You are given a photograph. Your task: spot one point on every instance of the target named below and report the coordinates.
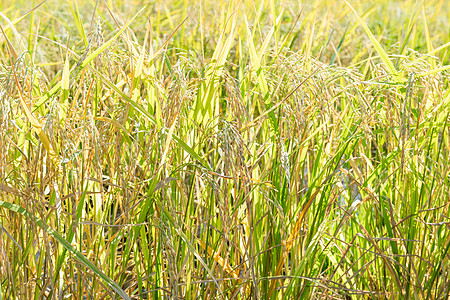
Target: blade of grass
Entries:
(144, 112)
(89, 59)
(383, 55)
(77, 255)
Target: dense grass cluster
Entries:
(224, 149)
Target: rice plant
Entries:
(224, 149)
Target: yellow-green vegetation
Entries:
(224, 149)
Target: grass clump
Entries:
(235, 149)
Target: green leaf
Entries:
(383, 55)
(77, 254)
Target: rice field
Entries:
(224, 149)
